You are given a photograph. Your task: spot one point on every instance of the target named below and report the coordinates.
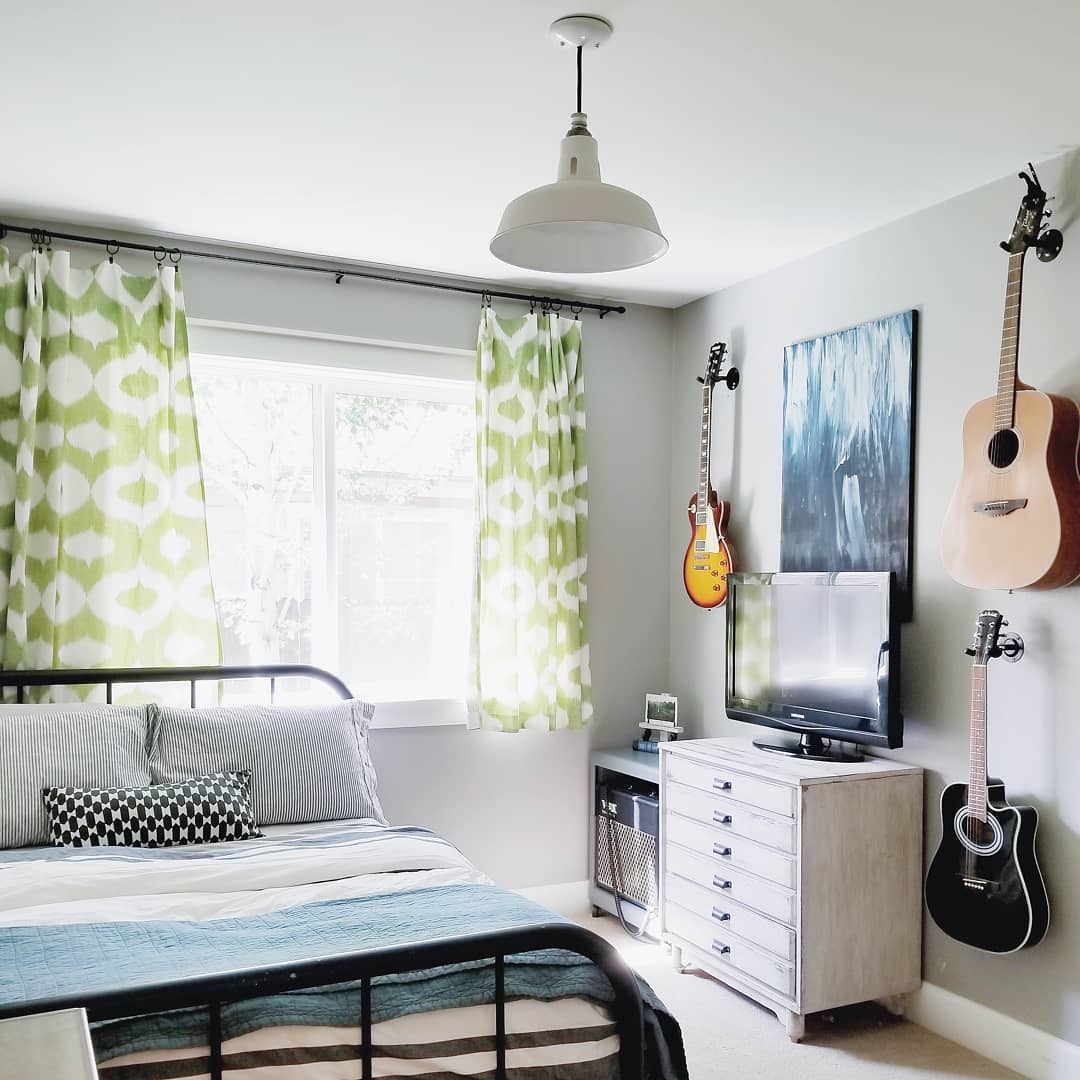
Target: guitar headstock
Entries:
(715, 365)
(1029, 229)
(984, 644)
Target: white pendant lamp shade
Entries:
(579, 224)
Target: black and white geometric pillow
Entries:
(206, 810)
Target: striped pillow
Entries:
(80, 746)
(307, 763)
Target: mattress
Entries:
(72, 916)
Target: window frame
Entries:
(329, 364)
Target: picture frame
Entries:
(848, 467)
(662, 710)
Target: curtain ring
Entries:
(160, 258)
(37, 239)
(576, 310)
(3, 232)
(485, 299)
(556, 307)
(175, 255)
(532, 306)
(112, 248)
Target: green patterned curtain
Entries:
(103, 550)
(530, 652)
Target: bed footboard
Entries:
(216, 990)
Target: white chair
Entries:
(48, 1046)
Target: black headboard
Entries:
(108, 677)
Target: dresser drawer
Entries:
(746, 889)
(730, 850)
(731, 816)
(726, 949)
(731, 917)
(778, 798)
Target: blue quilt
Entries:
(39, 962)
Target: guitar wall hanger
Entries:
(1008, 646)
(717, 359)
(1046, 242)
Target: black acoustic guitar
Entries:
(984, 887)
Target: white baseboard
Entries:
(566, 898)
(1027, 1050)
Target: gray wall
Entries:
(944, 262)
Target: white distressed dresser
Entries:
(797, 883)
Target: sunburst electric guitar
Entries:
(1014, 520)
(709, 556)
(984, 886)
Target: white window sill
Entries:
(437, 712)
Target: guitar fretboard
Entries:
(706, 441)
(1005, 401)
(976, 799)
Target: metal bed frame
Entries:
(215, 989)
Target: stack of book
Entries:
(655, 734)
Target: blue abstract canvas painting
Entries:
(848, 450)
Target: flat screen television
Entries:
(816, 655)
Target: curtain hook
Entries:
(576, 310)
(47, 239)
(3, 232)
(112, 248)
(160, 258)
(485, 299)
(532, 305)
(175, 255)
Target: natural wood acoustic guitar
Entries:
(1014, 519)
(709, 556)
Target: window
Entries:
(340, 517)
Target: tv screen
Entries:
(815, 653)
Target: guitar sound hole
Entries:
(980, 833)
(1004, 447)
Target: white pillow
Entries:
(45, 746)
(307, 763)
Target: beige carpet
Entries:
(730, 1037)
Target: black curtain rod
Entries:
(44, 237)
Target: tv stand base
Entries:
(809, 748)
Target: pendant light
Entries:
(579, 224)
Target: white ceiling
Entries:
(394, 132)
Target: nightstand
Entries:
(47, 1046)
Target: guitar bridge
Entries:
(999, 507)
(975, 884)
